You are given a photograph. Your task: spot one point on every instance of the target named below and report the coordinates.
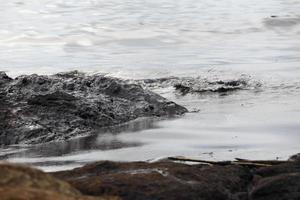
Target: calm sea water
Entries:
(220, 39)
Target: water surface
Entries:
(135, 39)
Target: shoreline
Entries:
(42, 109)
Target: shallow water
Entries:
(216, 40)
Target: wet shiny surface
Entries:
(149, 39)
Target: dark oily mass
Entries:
(37, 109)
(186, 85)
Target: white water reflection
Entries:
(147, 38)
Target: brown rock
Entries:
(8, 193)
(278, 182)
(161, 180)
(280, 187)
(24, 183)
(289, 167)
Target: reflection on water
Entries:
(103, 139)
(246, 124)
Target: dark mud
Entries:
(187, 85)
(38, 109)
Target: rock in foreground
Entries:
(24, 183)
(163, 180)
(37, 109)
(176, 181)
